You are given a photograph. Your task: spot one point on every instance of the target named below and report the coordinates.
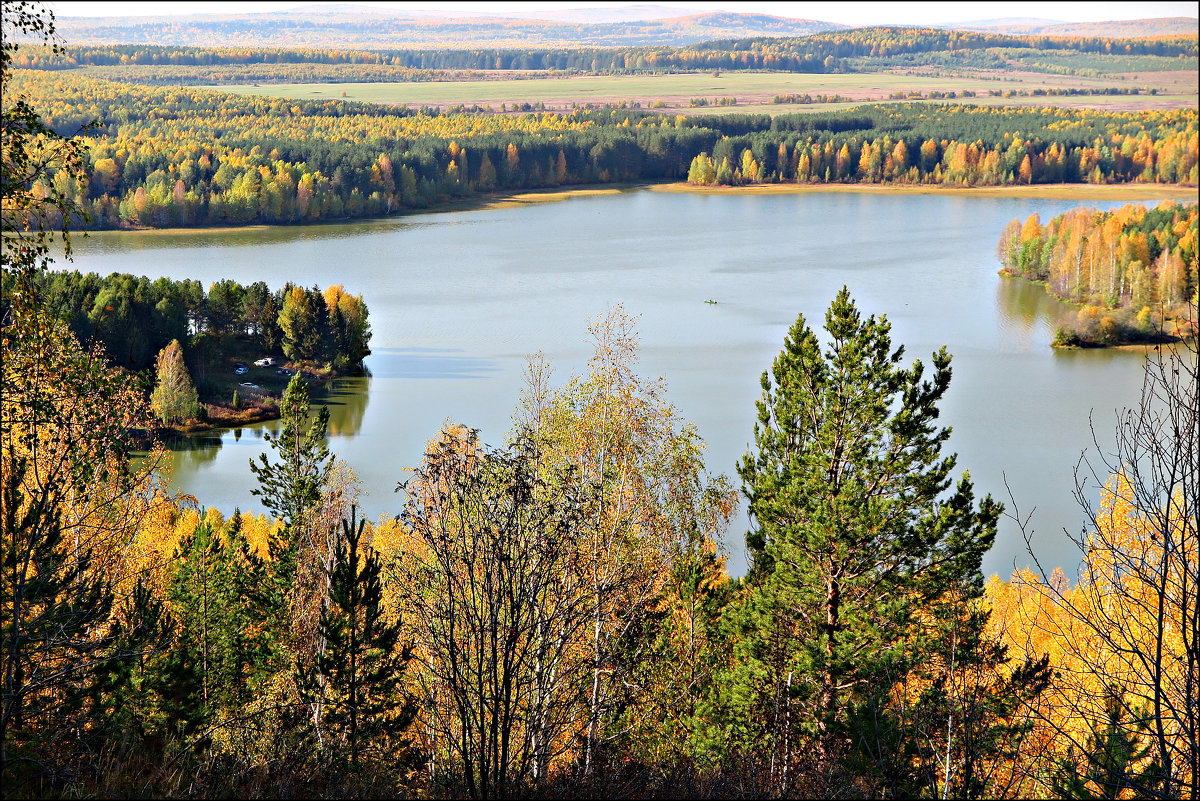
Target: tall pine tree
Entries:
(291, 487)
(856, 534)
(355, 682)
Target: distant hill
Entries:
(585, 15)
(594, 15)
(1002, 22)
(361, 27)
(1119, 29)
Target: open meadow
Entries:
(754, 90)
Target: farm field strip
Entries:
(755, 89)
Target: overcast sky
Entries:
(873, 13)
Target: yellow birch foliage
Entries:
(1122, 628)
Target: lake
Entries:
(459, 299)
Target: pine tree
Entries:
(53, 607)
(1117, 760)
(123, 704)
(852, 532)
(194, 601)
(355, 682)
(245, 652)
(174, 397)
(291, 487)
(223, 647)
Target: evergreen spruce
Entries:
(355, 682)
(53, 608)
(123, 705)
(291, 487)
(1118, 759)
(246, 652)
(856, 532)
(187, 678)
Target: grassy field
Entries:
(753, 90)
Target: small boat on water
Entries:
(713, 302)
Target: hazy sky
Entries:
(872, 13)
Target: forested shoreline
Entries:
(1133, 270)
(185, 157)
(134, 317)
(204, 337)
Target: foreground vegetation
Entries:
(553, 616)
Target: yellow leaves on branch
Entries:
(1119, 629)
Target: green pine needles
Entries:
(355, 684)
(859, 536)
(291, 487)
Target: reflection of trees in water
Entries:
(195, 450)
(347, 402)
(1025, 304)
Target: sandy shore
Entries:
(1064, 191)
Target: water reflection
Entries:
(429, 363)
(1027, 308)
(194, 450)
(257, 236)
(346, 400)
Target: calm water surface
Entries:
(458, 300)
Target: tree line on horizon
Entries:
(180, 157)
(830, 51)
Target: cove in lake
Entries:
(459, 299)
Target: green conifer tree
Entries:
(854, 532)
(123, 704)
(1118, 761)
(245, 651)
(355, 682)
(53, 607)
(291, 487)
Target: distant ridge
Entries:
(1002, 22)
(348, 26)
(1121, 29)
(335, 26)
(640, 13)
(634, 13)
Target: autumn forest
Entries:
(553, 614)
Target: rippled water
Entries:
(458, 299)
